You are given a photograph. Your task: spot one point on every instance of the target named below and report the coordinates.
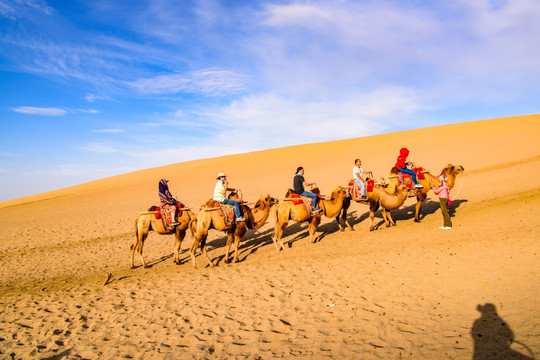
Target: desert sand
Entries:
(411, 291)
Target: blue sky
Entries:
(91, 89)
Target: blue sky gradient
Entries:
(92, 89)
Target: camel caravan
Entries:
(233, 216)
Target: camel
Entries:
(451, 171)
(286, 211)
(148, 222)
(208, 219)
(379, 197)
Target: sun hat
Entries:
(220, 175)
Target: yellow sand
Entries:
(409, 291)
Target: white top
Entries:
(220, 191)
(357, 170)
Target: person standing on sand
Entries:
(220, 191)
(298, 186)
(358, 176)
(168, 202)
(443, 191)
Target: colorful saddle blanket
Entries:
(166, 216)
(406, 179)
(298, 199)
(355, 191)
(227, 211)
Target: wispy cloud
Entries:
(31, 110)
(100, 148)
(13, 9)
(209, 82)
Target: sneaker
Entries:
(317, 210)
(240, 219)
(418, 186)
(175, 223)
(447, 228)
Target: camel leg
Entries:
(420, 200)
(228, 246)
(389, 217)
(314, 223)
(193, 249)
(203, 251)
(385, 215)
(238, 235)
(344, 208)
(141, 233)
(179, 237)
(278, 233)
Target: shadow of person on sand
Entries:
(493, 337)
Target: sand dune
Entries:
(411, 291)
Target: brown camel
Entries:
(451, 171)
(286, 211)
(148, 222)
(209, 218)
(379, 197)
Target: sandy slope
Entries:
(410, 291)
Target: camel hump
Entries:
(289, 193)
(316, 190)
(153, 208)
(209, 203)
(394, 170)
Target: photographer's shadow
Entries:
(493, 337)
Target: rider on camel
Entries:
(168, 202)
(220, 191)
(402, 163)
(298, 185)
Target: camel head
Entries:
(403, 191)
(341, 192)
(452, 170)
(266, 201)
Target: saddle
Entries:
(406, 179)
(298, 199)
(166, 216)
(226, 211)
(355, 191)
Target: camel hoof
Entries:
(146, 266)
(133, 267)
(417, 220)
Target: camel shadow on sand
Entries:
(493, 337)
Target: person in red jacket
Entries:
(402, 163)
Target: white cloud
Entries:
(30, 110)
(209, 81)
(89, 111)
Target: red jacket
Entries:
(402, 158)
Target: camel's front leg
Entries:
(179, 237)
(372, 220)
(236, 246)
(228, 247)
(389, 216)
(314, 223)
(420, 200)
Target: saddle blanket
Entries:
(226, 211)
(165, 214)
(355, 191)
(406, 179)
(298, 199)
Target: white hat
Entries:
(220, 175)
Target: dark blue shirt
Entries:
(298, 184)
